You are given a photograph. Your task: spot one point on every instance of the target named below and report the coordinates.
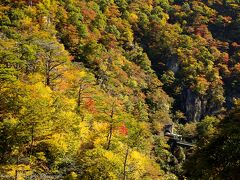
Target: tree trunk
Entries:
(79, 98)
(125, 164)
(32, 139)
(111, 126)
(110, 136)
(16, 171)
(47, 71)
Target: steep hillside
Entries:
(88, 85)
(78, 96)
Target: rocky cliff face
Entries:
(173, 64)
(196, 107)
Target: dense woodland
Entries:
(86, 87)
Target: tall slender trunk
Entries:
(125, 164)
(47, 72)
(48, 80)
(16, 175)
(48, 69)
(111, 127)
(110, 136)
(16, 171)
(32, 139)
(79, 98)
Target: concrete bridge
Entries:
(176, 138)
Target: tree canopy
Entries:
(88, 85)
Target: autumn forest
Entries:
(88, 87)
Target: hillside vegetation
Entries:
(88, 85)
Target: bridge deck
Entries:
(183, 143)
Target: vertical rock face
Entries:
(197, 107)
(173, 64)
(193, 106)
